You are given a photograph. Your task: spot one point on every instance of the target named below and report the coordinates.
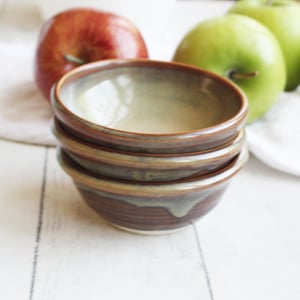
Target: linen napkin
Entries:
(275, 139)
(24, 114)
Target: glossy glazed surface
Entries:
(151, 206)
(149, 106)
(146, 100)
(144, 167)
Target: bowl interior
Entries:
(151, 98)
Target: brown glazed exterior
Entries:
(151, 207)
(201, 139)
(143, 166)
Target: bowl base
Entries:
(151, 232)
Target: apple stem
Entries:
(74, 59)
(235, 75)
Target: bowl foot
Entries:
(151, 232)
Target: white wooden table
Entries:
(52, 246)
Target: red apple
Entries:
(77, 36)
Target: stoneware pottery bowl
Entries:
(144, 166)
(149, 106)
(151, 208)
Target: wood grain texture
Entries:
(21, 176)
(80, 254)
(251, 243)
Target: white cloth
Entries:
(25, 116)
(275, 139)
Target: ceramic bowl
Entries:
(151, 207)
(149, 106)
(143, 166)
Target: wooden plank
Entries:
(82, 257)
(251, 242)
(21, 176)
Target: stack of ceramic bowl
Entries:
(150, 145)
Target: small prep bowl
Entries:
(144, 166)
(151, 207)
(149, 106)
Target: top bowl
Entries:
(149, 106)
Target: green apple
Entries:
(282, 17)
(241, 49)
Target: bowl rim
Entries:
(100, 153)
(87, 179)
(60, 108)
